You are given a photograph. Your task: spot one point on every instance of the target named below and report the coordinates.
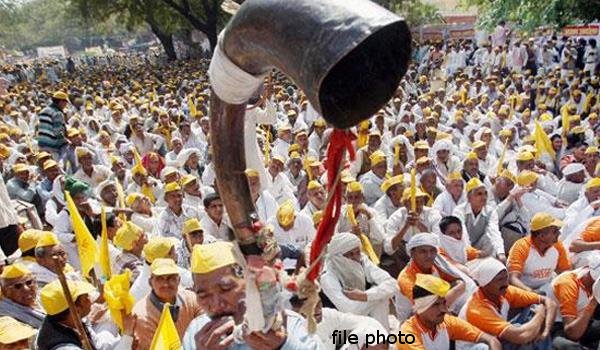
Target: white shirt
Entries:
(492, 230)
(384, 207)
(266, 206)
(333, 319)
(445, 204)
(220, 232)
(281, 188)
(429, 217)
(299, 235)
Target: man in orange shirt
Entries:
(424, 259)
(488, 308)
(580, 324)
(535, 259)
(587, 242)
(432, 327)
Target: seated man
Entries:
(316, 198)
(374, 178)
(452, 245)
(533, 261)
(480, 221)
(433, 328)
(131, 239)
(265, 203)
(488, 308)
(331, 320)
(579, 321)
(164, 282)
(216, 222)
(15, 335)
(21, 187)
(45, 266)
(586, 242)
(352, 283)
(19, 296)
(582, 209)
(403, 225)
(453, 196)
(392, 198)
(193, 233)
(424, 259)
(220, 287)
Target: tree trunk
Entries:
(212, 36)
(166, 41)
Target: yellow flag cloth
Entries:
(564, 113)
(396, 155)
(165, 337)
(366, 246)
(121, 198)
(191, 106)
(413, 190)
(104, 254)
(542, 141)
(501, 160)
(118, 298)
(147, 191)
(86, 245)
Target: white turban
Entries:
(125, 147)
(102, 186)
(350, 273)
(441, 145)
(184, 155)
(573, 168)
(486, 270)
(422, 239)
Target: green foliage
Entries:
(415, 12)
(527, 15)
(48, 23)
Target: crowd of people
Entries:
(470, 215)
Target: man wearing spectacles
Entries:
(19, 290)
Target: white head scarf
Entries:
(422, 239)
(486, 270)
(350, 273)
(184, 155)
(455, 248)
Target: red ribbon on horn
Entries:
(340, 140)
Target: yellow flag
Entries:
(366, 246)
(118, 298)
(104, 253)
(121, 198)
(396, 155)
(192, 106)
(413, 190)
(542, 141)
(86, 245)
(564, 113)
(501, 160)
(165, 337)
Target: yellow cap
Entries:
(81, 151)
(574, 118)
(578, 130)
(187, 179)
(14, 271)
(127, 235)
(172, 187)
(320, 123)
(526, 178)
(251, 172)
(162, 267)
(591, 150)
(453, 176)
(432, 284)
(592, 183)
(72, 132)
(509, 175)
(13, 331)
(53, 298)
(209, 257)
(406, 194)
(20, 167)
(524, 156)
(478, 144)
(422, 160)
(29, 239)
(50, 163)
(313, 185)
(60, 95)
(505, 132)
(47, 239)
(471, 156)
(132, 197)
(394, 180)
(191, 225)
(542, 220)
(317, 217)
(354, 186)
(377, 157)
(421, 145)
(286, 213)
(158, 247)
(473, 184)
(593, 116)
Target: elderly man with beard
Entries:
(432, 327)
(220, 291)
(353, 283)
(392, 198)
(488, 308)
(183, 305)
(316, 198)
(19, 296)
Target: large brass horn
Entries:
(348, 57)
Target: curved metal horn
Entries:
(348, 57)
